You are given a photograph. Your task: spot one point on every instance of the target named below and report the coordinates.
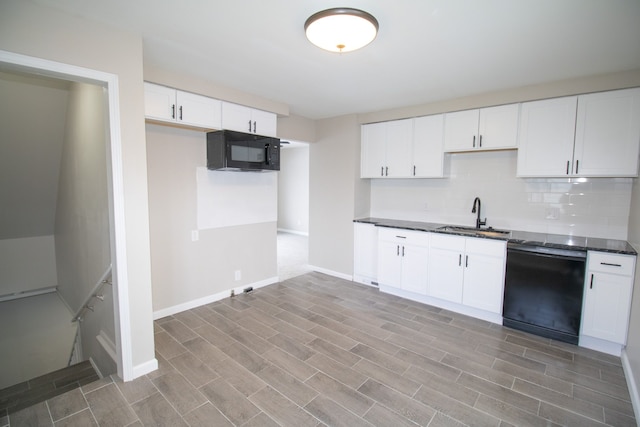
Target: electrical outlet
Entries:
(195, 235)
(238, 275)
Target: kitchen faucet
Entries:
(479, 222)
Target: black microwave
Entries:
(230, 150)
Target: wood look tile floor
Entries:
(315, 350)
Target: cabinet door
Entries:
(199, 110)
(389, 264)
(159, 102)
(445, 268)
(265, 123)
(373, 150)
(608, 133)
(606, 307)
(236, 117)
(365, 251)
(483, 282)
(398, 148)
(461, 130)
(545, 139)
(428, 154)
(415, 268)
(498, 127)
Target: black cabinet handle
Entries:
(480, 141)
(401, 237)
(249, 125)
(568, 167)
(459, 260)
(173, 111)
(386, 171)
(403, 251)
(397, 250)
(474, 141)
(181, 112)
(414, 170)
(610, 264)
(466, 261)
(591, 284)
(577, 164)
(254, 126)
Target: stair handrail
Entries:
(95, 293)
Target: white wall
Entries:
(293, 189)
(581, 207)
(184, 270)
(82, 216)
(82, 236)
(27, 264)
(33, 30)
(332, 183)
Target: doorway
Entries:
(293, 210)
(108, 84)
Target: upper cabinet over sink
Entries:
(491, 128)
(592, 135)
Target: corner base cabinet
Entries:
(607, 299)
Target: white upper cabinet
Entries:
(175, 106)
(491, 128)
(386, 149)
(249, 120)
(593, 135)
(545, 146)
(608, 134)
(408, 148)
(428, 156)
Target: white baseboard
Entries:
(299, 233)
(331, 272)
(169, 311)
(631, 383)
(144, 368)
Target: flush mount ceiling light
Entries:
(341, 29)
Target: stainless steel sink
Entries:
(485, 232)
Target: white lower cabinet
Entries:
(402, 259)
(365, 256)
(467, 271)
(607, 297)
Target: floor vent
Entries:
(36, 390)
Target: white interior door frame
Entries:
(28, 64)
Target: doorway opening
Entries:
(293, 210)
(114, 336)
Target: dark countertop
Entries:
(559, 241)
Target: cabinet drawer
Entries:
(487, 247)
(400, 235)
(611, 263)
(448, 242)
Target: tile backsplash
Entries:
(592, 207)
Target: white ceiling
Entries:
(426, 50)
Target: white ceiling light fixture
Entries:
(341, 29)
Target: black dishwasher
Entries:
(543, 291)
